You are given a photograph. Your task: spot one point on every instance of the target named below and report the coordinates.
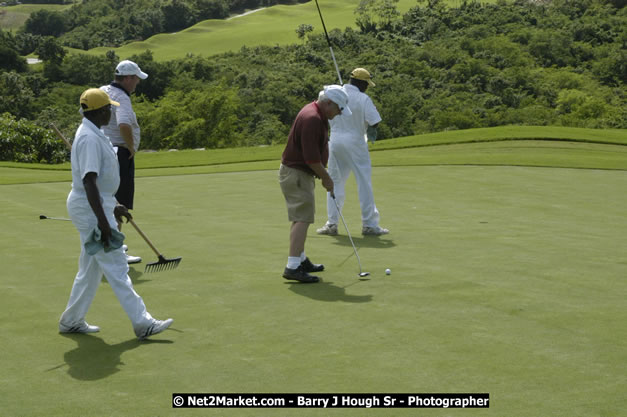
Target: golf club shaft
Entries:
(347, 232)
(326, 35)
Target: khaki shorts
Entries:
(298, 190)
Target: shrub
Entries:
(23, 141)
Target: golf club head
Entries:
(364, 274)
(41, 217)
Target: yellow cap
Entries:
(94, 99)
(362, 74)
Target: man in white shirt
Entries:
(123, 130)
(348, 151)
(95, 213)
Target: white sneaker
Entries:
(80, 328)
(328, 229)
(157, 326)
(374, 231)
(133, 259)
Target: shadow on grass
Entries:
(364, 242)
(94, 359)
(326, 291)
(134, 275)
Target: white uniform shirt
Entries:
(364, 114)
(92, 152)
(123, 114)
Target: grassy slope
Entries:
(507, 145)
(13, 17)
(272, 26)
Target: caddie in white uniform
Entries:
(94, 211)
(348, 151)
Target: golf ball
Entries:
(388, 271)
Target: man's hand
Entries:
(120, 212)
(126, 131)
(327, 183)
(105, 233)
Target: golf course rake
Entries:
(163, 263)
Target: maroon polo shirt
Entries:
(308, 142)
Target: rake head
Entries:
(162, 264)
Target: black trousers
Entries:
(126, 191)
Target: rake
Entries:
(163, 263)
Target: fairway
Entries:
(271, 26)
(505, 280)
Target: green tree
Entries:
(373, 15)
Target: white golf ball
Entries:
(388, 271)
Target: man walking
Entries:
(304, 158)
(95, 213)
(123, 131)
(348, 151)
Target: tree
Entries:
(303, 29)
(46, 23)
(10, 59)
(373, 15)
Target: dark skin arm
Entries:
(93, 197)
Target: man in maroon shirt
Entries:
(304, 158)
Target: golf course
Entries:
(500, 170)
(507, 265)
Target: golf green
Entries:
(505, 280)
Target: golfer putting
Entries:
(304, 159)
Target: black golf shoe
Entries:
(299, 274)
(308, 266)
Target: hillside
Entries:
(437, 68)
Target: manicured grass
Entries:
(506, 280)
(275, 25)
(507, 145)
(14, 17)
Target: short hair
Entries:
(361, 84)
(121, 77)
(322, 97)
(91, 114)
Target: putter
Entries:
(329, 43)
(361, 272)
(42, 217)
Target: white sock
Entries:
(293, 262)
(302, 256)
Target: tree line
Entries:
(436, 68)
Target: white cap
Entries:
(127, 67)
(336, 94)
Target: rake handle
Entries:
(58, 132)
(145, 238)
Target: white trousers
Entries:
(91, 269)
(348, 155)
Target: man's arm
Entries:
(93, 197)
(127, 134)
(321, 172)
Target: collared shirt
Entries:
(92, 152)
(364, 114)
(123, 114)
(308, 140)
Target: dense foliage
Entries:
(23, 141)
(93, 23)
(437, 68)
